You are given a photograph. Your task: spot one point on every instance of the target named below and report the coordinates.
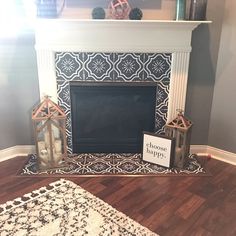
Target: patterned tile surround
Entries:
(114, 68)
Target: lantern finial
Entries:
(47, 97)
(180, 111)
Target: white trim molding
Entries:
(19, 150)
(216, 153)
(178, 83)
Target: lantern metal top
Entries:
(47, 109)
(180, 122)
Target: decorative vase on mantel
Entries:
(198, 10)
(180, 9)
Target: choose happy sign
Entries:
(157, 149)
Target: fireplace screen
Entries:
(110, 117)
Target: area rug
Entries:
(113, 165)
(64, 208)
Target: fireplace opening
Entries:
(110, 117)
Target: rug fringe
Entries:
(33, 195)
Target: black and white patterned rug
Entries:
(64, 208)
(112, 164)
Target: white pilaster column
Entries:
(178, 83)
(47, 73)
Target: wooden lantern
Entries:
(49, 122)
(180, 128)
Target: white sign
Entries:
(158, 149)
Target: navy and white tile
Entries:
(113, 67)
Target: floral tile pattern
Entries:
(113, 67)
(112, 164)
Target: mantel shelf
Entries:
(109, 35)
(123, 22)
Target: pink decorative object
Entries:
(119, 9)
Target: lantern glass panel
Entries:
(50, 144)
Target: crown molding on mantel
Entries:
(160, 35)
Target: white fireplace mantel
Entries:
(115, 35)
(145, 36)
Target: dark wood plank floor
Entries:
(167, 205)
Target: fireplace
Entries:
(67, 50)
(145, 76)
(110, 117)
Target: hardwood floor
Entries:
(166, 205)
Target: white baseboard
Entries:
(19, 150)
(203, 150)
(218, 154)
(199, 150)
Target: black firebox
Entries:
(110, 117)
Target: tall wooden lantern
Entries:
(49, 122)
(180, 128)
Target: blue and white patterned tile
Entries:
(128, 67)
(68, 65)
(98, 66)
(113, 67)
(69, 142)
(157, 66)
(161, 94)
(63, 92)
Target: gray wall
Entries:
(222, 132)
(203, 61)
(18, 90)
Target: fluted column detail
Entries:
(178, 83)
(47, 73)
